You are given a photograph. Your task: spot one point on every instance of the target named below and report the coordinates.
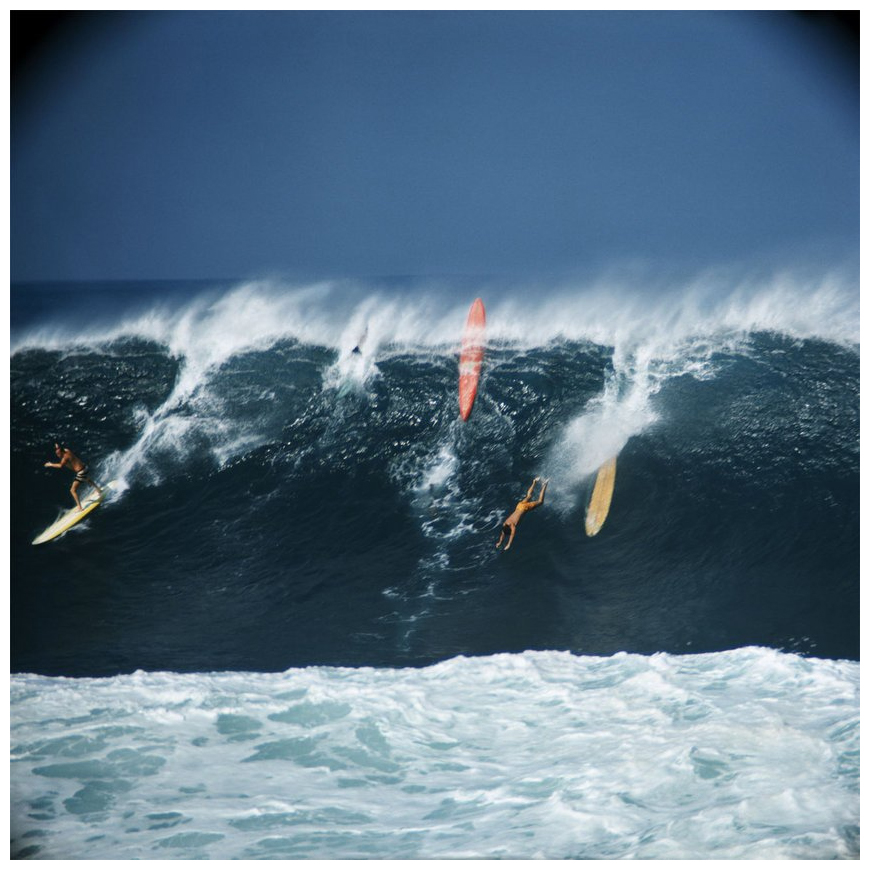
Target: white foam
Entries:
(359, 344)
(438, 472)
(611, 310)
(744, 754)
(596, 435)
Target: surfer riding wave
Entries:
(79, 468)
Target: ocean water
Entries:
(289, 633)
(744, 754)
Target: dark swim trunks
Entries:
(82, 475)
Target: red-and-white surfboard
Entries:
(471, 357)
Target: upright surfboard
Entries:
(599, 504)
(471, 357)
(74, 516)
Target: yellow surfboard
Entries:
(67, 520)
(599, 504)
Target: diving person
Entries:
(509, 526)
(78, 468)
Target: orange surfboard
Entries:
(471, 357)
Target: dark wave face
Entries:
(283, 501)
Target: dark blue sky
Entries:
(232, 145)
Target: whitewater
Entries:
(744, 754)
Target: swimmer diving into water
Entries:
(523, 507)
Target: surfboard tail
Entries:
(73, 516)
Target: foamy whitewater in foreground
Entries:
(751, 753)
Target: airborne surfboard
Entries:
(471, 357)
(73, 516)
(602, 493)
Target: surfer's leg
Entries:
(94, 485)
(531, 490)
(73, 491)
(533, 504)
(540, 499)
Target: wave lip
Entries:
(751, 753)
(615, 309)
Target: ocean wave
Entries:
(291, 480)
